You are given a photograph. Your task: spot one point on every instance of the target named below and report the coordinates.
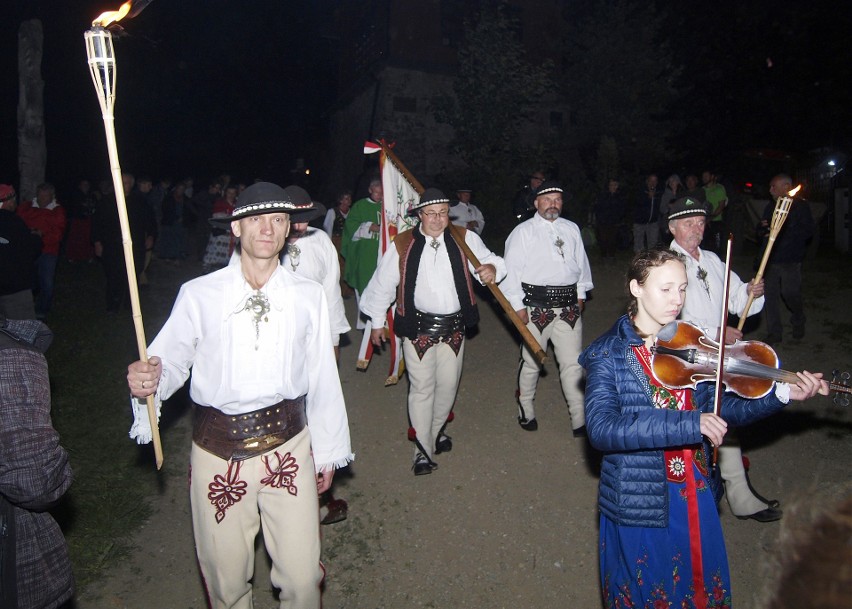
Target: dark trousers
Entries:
(784, 281)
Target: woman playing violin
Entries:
(660, 536)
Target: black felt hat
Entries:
(431, 196)
(547, 187)
(267, 198)
(686, 207)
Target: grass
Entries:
(113, 476)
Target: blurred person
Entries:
(333, 225)
(672, 191)
(171, 245)
(522, 204)
(19, 249)
(78, 237)
(220, 243)
(360, 241)
(202, 207)
(466, 214)
(609, 211)
(35, 570)
(46, 218)
(717, 199)
(646, 215)
(784, 269)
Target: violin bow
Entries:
(723, 325)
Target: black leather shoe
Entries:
(770, 514)
(443, 444)
(530, 425)
(580, 432)
(423, 466)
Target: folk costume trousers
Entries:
(432, 385)
(231, 500)
(567, 345)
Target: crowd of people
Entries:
(257, 336)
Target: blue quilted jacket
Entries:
(622, 423)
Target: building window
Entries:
(405, 104)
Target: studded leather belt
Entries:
(550, 296)
(242, 436)
(438, 325)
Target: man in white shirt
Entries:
(429, 277)
(270, 422)
(310, 253)
(466, 214)
(702, 307)
(547, 282)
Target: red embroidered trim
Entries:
(226, 491)
(283, 474)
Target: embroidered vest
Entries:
(409, 245)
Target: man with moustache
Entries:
(428, 275)
(547, 283)
(704, 294)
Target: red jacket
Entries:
(50, 220)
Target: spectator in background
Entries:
(19, 249)
(523, 206)
(78, 238)
(171, 244)
(646, 215)
(693, 189)
(717, 198)
(360, 242)
(46, 218)
(609, 215)
(784, 271)
(334, 222)
(35, 571)
(202, 206)
(671, 193)
(466, 214)
(220, 243)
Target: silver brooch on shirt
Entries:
(293, 253)
(559, 243)
(258, 305)
(435, 244)
(702, 277)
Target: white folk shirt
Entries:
(462, 213)
(703, 304)
(533, 257)
(317, 260)
(434, 289)
(238, 369)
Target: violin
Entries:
(683, 356)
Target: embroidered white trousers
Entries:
(232, 500)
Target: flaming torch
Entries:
(102, 65)
(779, 215)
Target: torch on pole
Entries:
(102, 66)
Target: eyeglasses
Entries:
(435, 214)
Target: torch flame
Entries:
(113, 16)
(793, 192)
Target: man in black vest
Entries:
(429, 277)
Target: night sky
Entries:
(207, 86)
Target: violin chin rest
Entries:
(667, 332)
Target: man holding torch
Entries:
(270, 423)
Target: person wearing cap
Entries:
(429, 277)
(310, 253)
(522, 204)
(466, 214)
(270, 422)
(704, 293)
(360, 242)
(19, 249)
(547, 283)
(46, 218)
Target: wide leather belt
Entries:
(438, 325)
(550, 296)
(242, 436)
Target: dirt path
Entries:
(509, 520)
